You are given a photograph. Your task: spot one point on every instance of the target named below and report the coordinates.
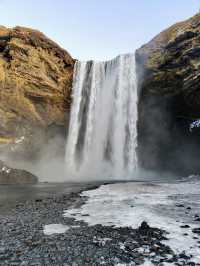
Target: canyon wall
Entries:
(35, 95)
(35, 89)
(169, 99)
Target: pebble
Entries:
(23, 243)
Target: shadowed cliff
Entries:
(169, 99)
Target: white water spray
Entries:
(102, 135)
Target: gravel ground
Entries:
(23, 242)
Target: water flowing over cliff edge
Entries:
(35, 105)
(102, 135)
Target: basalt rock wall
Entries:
(169, 99)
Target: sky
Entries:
(97, 29)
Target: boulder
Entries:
(35, 89)
(169, 99)
(10, 176)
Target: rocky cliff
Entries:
(169, 99)
(35, 95)
(35, 88)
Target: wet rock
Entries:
(38, 200)
(196, 231)
(180, 205)
(169, 78)
(185, 226)
(184, 256)
(22, 239)
(144, 226)
(10, 176)
(80, 245)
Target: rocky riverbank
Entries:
(23, 240)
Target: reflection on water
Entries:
(10, 195)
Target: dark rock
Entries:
(24, 240)
(185, 226)
(38, 200)
(184, 256)
(180, 205)
(191, 263)
(169, 99)
(144, 226)
(10, 176)
(196, 231)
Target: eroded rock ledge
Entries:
(35, 87)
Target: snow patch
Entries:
(17, 141)
(5, 169)
(194, 124)
(148, 263)
(101, 241)
(128, 204)
(51, 229)
(127, 264)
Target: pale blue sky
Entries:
(97, 29)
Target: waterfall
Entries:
(102, 133)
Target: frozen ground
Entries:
(173, 207)
(58, 224)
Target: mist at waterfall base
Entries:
(101, 141)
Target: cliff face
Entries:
(35, 95)
(35, 87)
(169, 90)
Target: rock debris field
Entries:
(61, 230)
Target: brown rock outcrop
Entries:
(11, 176)
(35, 87)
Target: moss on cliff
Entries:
(169, 90)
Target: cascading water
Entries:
(102, 135)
